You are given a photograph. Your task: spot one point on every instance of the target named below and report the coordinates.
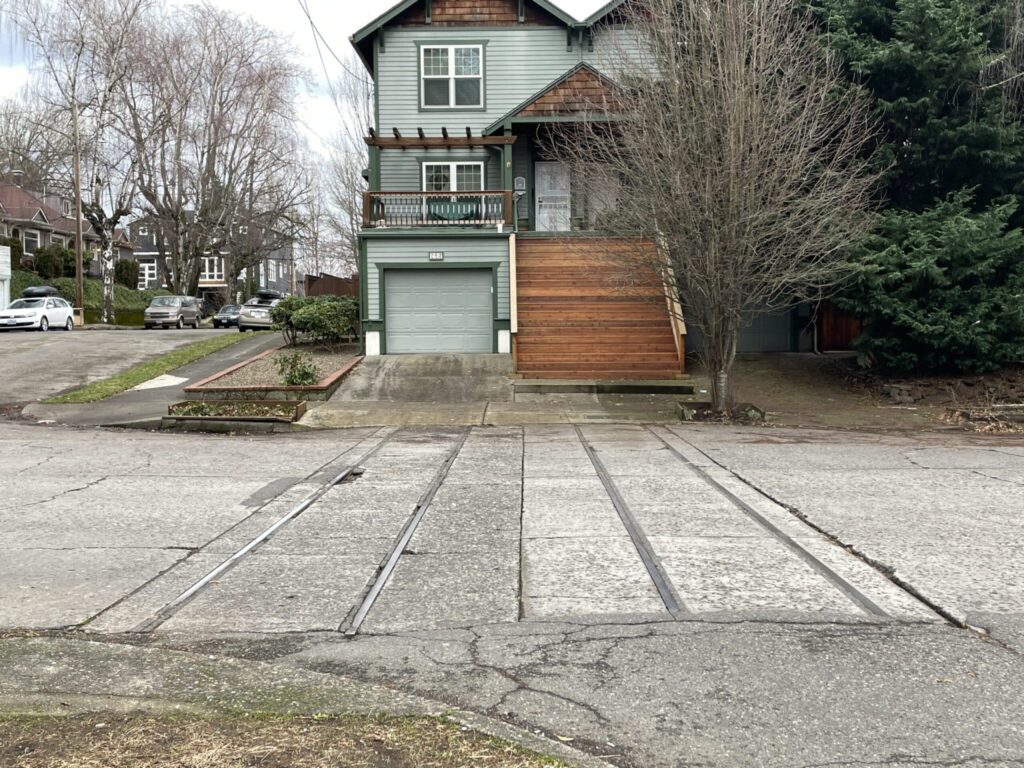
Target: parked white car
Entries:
(39, 314)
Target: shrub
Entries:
(16, 250)
(22, 279)
(941, 289)
(126, 273)
(49, 262)
(68, 260)
(297, 369)
(322, 319)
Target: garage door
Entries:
(438, 310)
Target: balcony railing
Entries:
(437, 209)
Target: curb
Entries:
(535, 742)
(43, 676)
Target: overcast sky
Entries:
(336, 19)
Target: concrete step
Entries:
(603, 386)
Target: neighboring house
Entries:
(123, 249)
(274, 271)
(472, 241)
(40, 220)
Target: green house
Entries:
(472, 240)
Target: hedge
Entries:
(124, 298)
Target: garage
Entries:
(438, 310)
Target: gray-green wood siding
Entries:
(518, 62)
(401, 171)
(469, 250)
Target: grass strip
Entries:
(146, 741)
(137, 374)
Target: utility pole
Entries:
(292, 249)
(79, 276)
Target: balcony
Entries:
(437, 209)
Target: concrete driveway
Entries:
(34, 366)
(658, 596)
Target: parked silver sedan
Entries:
(255, 313)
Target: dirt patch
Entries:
(804, 390)
(979, 391)
(264, 373)
(190, 742)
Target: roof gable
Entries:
(480, 13)
(579, 91)
(447, 13)
(466, 12)
(605, 11)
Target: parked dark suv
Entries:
(172, 312)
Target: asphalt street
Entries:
(659, 596)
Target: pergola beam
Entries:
(445, 141)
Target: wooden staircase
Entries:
(580, 318)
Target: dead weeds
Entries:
(144, 741)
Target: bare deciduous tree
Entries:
(342, 179)
(30, 144)
(109, 168)
(82, 50)
(211, 121)
(737, 149)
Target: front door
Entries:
(553, 203)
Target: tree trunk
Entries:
(720, 354)
(107, 273)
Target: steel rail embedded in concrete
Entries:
(859, 598)
(181, 600)
(351, 625)
(673, 603)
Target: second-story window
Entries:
(453, 76)
(213, 268)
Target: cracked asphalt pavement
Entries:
(655, 596)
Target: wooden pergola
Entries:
(444, 141)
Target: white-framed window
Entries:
(271, 271)
(451, 76)
(58, 240)
(453, 177)
(213, 268)
(147, 274)
(243, 230)
(30, 240)
(65, 207)
(143, 231)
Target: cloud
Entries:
(13, 80)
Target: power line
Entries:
(318, 36)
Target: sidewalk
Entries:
(146, 404)
(548, 409)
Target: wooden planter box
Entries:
(219, 423)
(207, 389)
